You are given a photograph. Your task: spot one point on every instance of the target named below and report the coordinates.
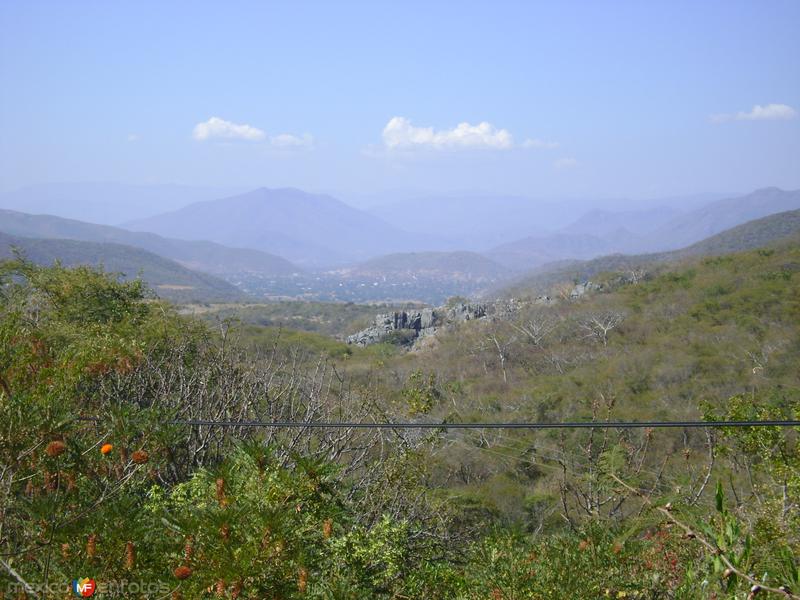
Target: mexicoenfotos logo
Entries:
(84, 587)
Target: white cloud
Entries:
(400, 133)
(565, 163)
(768, 112)
(216, 128)
(288, 140)
(534, 143)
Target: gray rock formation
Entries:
(583, 288)
(412, 325)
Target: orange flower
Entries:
(182, 572)
(140, 457)
(105, 449)
(55, 448)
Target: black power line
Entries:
(540, 425)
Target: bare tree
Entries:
(536, 328)
(598, 325)
(499, 343)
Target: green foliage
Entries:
(436, 515)
(420, 392)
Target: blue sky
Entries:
(634, 99)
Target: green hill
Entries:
(168, 278)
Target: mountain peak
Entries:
(768, 190)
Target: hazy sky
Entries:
(559, 98)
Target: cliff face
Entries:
(416, 324)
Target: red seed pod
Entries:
(182, 572)
(91, 545)
(221, 498)
(130, 556)
(327, 528)
(140, 457)
(236, 590)
(302, 580)
(55, 448)
(220, 588)
(65, 551)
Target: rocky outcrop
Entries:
(582, 288)
(412, 325)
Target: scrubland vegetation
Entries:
(97, 479)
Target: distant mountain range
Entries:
(167, 278)
(248, 238)
(308, 229)
(600, 222)
(655, 229)
(200, 255)
(753, 234)
(481, 222)
(106, 203)
(721, 215)
(530, 252)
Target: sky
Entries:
(543, 99)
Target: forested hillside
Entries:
(202, 510)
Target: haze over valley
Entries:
(284, 243)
